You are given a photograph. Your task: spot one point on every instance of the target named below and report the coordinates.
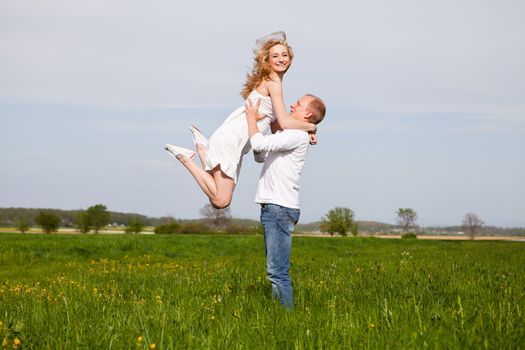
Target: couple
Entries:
(283, 154)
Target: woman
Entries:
(221, 155)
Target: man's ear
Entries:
(308, 115)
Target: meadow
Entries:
(211, 292)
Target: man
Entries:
(284, 155)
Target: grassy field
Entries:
(187, 292)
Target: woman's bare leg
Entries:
(225, 187)
(201, 150)
(217, 186)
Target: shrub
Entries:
(23, 225)
(171, 228)
(232, 228)
(135, 226)
(188, 227)
(257, 229)
(409, 235)
(354, 228)
(194, 227)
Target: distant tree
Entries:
(98, 216)
(354, 229)
(406, 218)
(23, 224)
(338, 220)
(50, 222)
(236, 229)
(82, 222)
(135, 226)
(472, 223)
(218, 217)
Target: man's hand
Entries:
(313, 137)
(252, 111)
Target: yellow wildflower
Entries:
(17, 342)
(152, 346)
(139, 339)
(371, 325)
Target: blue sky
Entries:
(426, 103)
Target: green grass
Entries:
(181, 292)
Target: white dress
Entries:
(230, 142)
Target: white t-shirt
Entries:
(284, 156)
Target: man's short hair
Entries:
(318, 109)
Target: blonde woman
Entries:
(221, 155)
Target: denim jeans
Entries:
(278, 223)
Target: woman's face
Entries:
(279, 58)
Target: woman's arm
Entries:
(284, 119)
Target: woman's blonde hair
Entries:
(261, 68)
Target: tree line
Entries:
(342, 221)
(93, 219)
(9, 217)
(339, 220)
(97, 217)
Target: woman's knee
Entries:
(220, 203)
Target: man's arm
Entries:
(284, 141)
(260, 156)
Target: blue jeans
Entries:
(278, 223)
